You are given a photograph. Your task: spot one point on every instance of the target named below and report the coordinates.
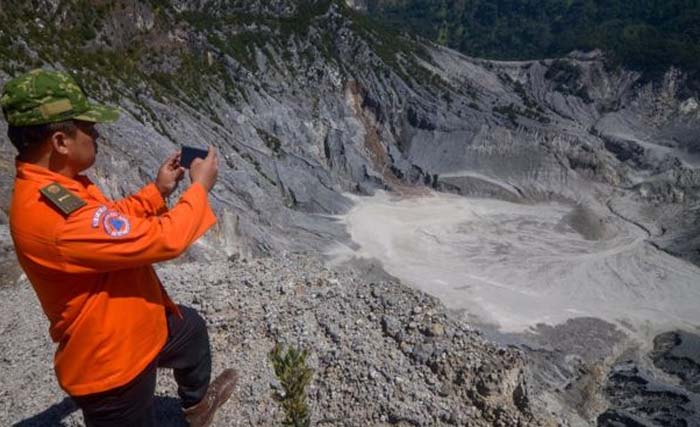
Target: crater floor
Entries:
(517, 265)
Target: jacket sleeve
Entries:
(147, 202)
(99, 239)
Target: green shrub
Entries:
(271, 141)
(292, 372)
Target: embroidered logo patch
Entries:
(116, 224)
(98, 214)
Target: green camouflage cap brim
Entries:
(99, 114)
(43, 96)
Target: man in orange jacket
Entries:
(89, 260)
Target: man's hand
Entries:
(169, 175)
(205, 170)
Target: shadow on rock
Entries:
(166, 412)
(52, 416)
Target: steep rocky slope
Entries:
(308, 101)
(375, 363)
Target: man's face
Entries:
(82, 147)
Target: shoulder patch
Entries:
(61, 198)
(115, 224)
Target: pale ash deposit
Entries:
(516, 265)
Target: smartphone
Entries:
(190, 153)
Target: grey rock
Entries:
(392, 326)
(305, 125)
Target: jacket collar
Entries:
(43, 177)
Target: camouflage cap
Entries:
(43, 96)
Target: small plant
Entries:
(271, 141)
(292, 372)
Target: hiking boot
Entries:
(202, 414)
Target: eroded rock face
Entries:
(306, 104)
(638, 399)
(10, 270)
(639, 396)
(678, 353)
(302, 115)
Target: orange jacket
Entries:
(92, 272)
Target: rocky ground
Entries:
(383, 354)
(310, 112)
(661, 390)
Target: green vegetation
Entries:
(307, 12)
(512, 111)
(258, 168)
(84, 35)
(109, 68)
(294, 376)
(648, 35)
(271, 141)
(566, 76)
(386, 41)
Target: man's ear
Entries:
(59, 141)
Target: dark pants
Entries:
(186, 351)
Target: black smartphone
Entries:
(190, 153)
